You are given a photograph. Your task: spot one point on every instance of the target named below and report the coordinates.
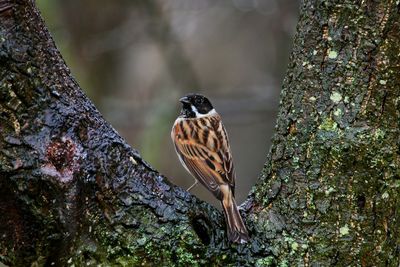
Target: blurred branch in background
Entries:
(136, 58)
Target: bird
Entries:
(202, 145)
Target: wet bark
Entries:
(332, 177)
(73, 192)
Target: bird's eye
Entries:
(198, 101)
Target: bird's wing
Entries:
(205, 153)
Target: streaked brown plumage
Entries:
(202, 145)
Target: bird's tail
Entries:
(236, 229)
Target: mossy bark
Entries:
(330, 189)
(72, 192)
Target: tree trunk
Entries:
(72, 192)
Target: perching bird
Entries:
(202, 146)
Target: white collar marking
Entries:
(199, 115)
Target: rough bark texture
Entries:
(73, 192)
(331, 184)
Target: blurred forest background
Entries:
(135, 59)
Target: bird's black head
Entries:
(194, 105)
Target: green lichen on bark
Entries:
(335, 156)
(76, 194)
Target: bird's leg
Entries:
(193, 185)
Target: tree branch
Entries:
(332, 176)
(73, 192)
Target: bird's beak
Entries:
(184, 100)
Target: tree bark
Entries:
(332, 178)
(72, 192)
